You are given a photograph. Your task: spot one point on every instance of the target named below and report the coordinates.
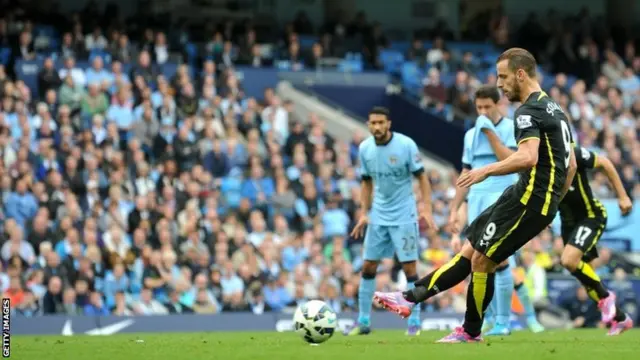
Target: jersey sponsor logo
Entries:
(585, 153)
(524, 121)
(553, 107)
(395, 173)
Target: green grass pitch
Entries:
(380, 345)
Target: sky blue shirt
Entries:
(391, 167)
(479, 153)
(121, 115)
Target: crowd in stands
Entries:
(130, 192)
(596, 81)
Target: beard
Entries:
(514, 94)
(381, 136)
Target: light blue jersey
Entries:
(393, 219)
(478, 152)
(391, 167)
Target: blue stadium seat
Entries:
(192, 53)
(412, 76)
(283, 65)
(306, 41)
(350, 66)
(391, 60)
(5, 55)
(106, 57)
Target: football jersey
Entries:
(540, 187)
(478, 152)
(579, 203)
(391, 167)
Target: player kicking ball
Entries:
(492, 139)
(389, 161)
(544, 159)
(583, 218)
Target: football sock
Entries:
(365, 298)
(620, 315)
(414, 318)
(490, 313)
(479, 296)
(588, 277)
(525, 300)
(503, 293)
(442, 279)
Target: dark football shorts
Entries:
(504, 227)
(584, 235)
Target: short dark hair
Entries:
(488, 92)
(379, 110)
(519, 58)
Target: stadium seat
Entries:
(391, 60)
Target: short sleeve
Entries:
(510, 139)
(527, 125)
(364, 172)
(466, 150)
(585, 158)
(415, 160)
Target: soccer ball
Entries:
(315, 321)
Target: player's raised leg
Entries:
(503, 234)
(441, 279)
(479, 295)
(414, 324)
(580, 249)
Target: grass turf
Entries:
(380, 345)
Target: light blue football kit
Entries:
(477, 153)
(393, 218)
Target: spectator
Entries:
(48, 78)
(536, 278)
(52, 301)
(95, 307)
(203, 303)
(95, 40)
(77, 74)
(20, 205)
(175, 305)
(276, 295)
(121, 308)
(582, 310)
(147, 305)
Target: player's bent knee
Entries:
(369, 269)
(467, 250)
(481, 263)
(409, 268)
(570, 258)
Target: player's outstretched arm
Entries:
(525, 158)
(612, 174)
(624, 201)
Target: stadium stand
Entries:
(140, 175)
